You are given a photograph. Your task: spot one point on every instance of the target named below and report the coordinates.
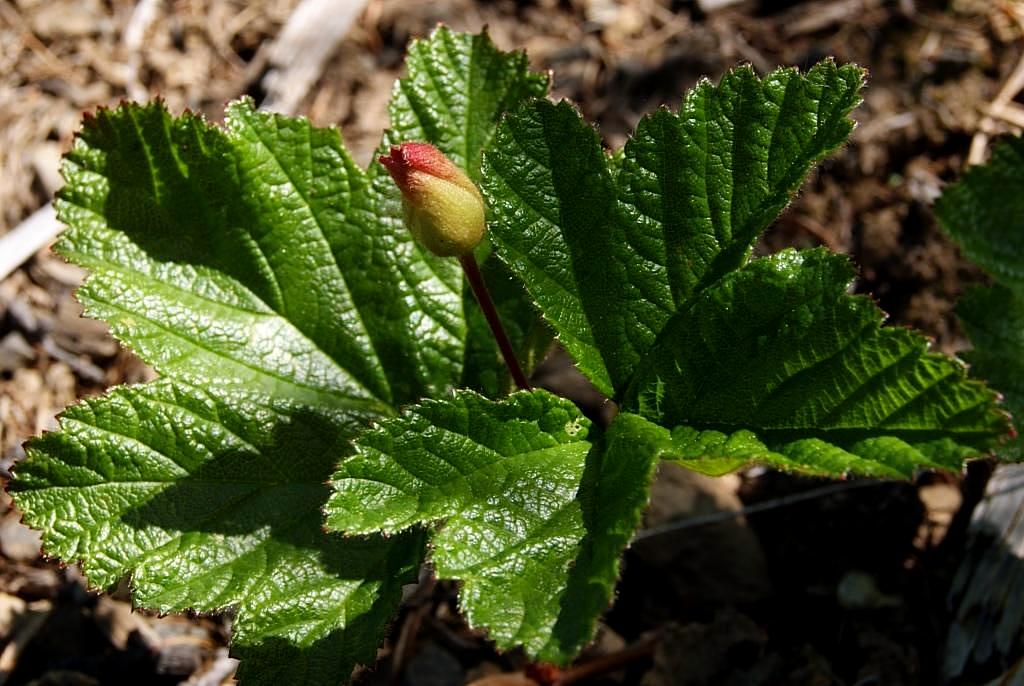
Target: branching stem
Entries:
(476, 282)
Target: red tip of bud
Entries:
(419, 157)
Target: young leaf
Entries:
(608, 257)
(271, 283)
(209, 499)
(457, 88)
(779, 349)
(217, 255)
(536, 513)
(551, 198)
(984, 213)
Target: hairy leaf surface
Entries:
(218, 252)
(609, 257)
(552, 198)
(535, 511)
(779, 349)
(209, 500)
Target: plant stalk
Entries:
(607, 664)
(483, 297)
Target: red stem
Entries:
(606, 664)
(483, 297)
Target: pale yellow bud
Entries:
(443, 208)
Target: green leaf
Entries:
(993, 319)
(984, 213)
(551, 198)
(613, 494)
(441, 456)
(457, 88)
(210, 500)
(270, 282)
(708, 452)
(535, 512)
(183, 225)
(780, 349)
(637, 262)
(610, 254)
(700, 186)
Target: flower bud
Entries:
(443, 209)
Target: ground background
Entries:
(847, 587)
